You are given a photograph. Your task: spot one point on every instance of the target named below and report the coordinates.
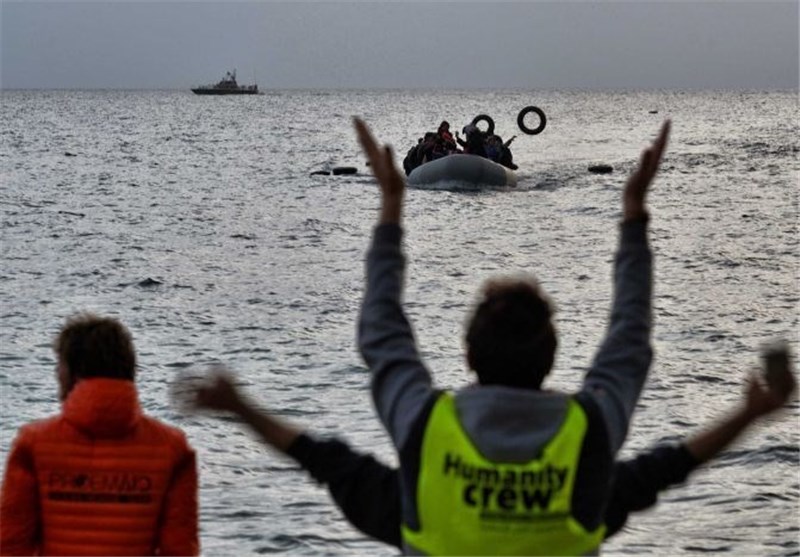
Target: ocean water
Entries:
(196, 221)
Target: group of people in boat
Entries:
(441, 143)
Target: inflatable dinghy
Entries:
(466, 169)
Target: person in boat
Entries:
(493, 146)
(498, 152)
(432, 148)
(447, 138)
(420, 153)
(410, 162)
(437, 150)
(538, 452)
(367, 491)
(475, 143)
(506, 158)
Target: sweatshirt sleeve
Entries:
(400, 382)
(20, 527)
(620, 367)
(637, 482)
(366, 491)
(178, 532)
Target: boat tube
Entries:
(461, 168)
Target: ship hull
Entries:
(224, 92)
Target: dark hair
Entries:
(93, 346)
(510, 336)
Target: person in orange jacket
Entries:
(101, 477)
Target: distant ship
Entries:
(227, 86)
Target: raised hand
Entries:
(390, 180)
(218, 392)
(770, 390)
(633, 198)
(762, 397)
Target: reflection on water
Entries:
(196, 221)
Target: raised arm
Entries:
(620, 367)
(220, 393)
(761, 398)
(391, 182)
(637, 482)
(634, 195)
(366, 490)
(400, 383)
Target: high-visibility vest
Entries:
(470, 505)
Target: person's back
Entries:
(426, 149)
(502, 153)
(507, 158)
(489, 461)
(100, 478)
(411, 160)
(503, 467)
(476, 141)
(492, 148)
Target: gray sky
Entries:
(608, 45)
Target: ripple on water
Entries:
(281, 543)
(261, 267)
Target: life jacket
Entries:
(469, 505)
(449, 140)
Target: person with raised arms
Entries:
(505, 466)
(368, 491)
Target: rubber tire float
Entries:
(521, 120)
(484, 118)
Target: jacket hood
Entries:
(508, 424)
(103, 407)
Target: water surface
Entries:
(195, 220)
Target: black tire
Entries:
(601, 169)
(521, 120)
(484, 118)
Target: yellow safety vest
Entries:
(469, 505)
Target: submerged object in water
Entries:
(336, 171)
(148, 282)
(601, 169)
(469, 169)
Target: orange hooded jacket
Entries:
(100, 478)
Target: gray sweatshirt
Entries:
(510, 424)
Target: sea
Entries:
(197, 221)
